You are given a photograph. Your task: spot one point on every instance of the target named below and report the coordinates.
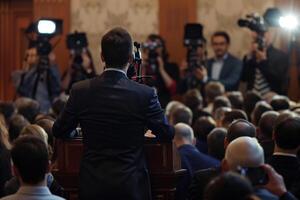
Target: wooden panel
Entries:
(173, 15)
(15, 16)
(56, 9)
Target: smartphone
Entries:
(256, 175)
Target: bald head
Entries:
(183, 134)
(240, 128)
(244, 152)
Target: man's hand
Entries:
(200, 73)
(276, 183)
(260, 55)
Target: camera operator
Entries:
(81, 68)
(39, 81)
(265, 69)
(165, 75)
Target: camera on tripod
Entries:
(193, 39)
(255, 23)
(152, 46)
(77, 43)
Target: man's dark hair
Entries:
(30, 157)
(16, 124)
(250, 100)
(29, 109)
(229, 185)
(212, 90)
(193, 99)
(236, 99)
(280, 102)
(222, 34)
(116, 48)
(266, 124)
(7, 109)
(258, 110)
(203, 126)
(221, 101)
(239, 128)
(215, 143)
(287, 133)
(182, 114)
(232, 115)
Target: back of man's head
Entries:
(232, 115)
(250, 100)
(215, 143)
(203, 126)
(184, 134)
(181, 114)
(280, 102)
(244, 152)
(212, 90)
(30, 157)
(236, 99)
(16, 124)
(171, 106)
(258, 110)
(7, 109)
(287, 133)
(240, 128)
(193, 99)
(221, 101)
(116, 46)
(29, 108)
(266, 124)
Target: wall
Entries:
(96, 17)
(223, 15)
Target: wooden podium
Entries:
(163, 163)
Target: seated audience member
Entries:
(220, 101)
(211, 91)
(259, 109)
(265, 131)
(57, 107)
(202, 128)
(30, 164)
(242, 152)
(231, 186)
(191, 158)
(16, 124)
(284, 159)
(181, 114)
(47, 124)
(215, 143)
(13, 184)
(280, 102)
(8, 110)
(250, 100)
(232, 115)
(29, 108)
(219, 115)
(236, 99)
(5, 167)
(171, 106)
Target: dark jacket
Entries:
(230, 73)
(113, 113)
(274, 70)
(192, 160)
(289, 168)
(5, 168)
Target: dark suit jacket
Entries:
(230, 73)
(113, 113)
(275, 70)
(192, 160)
(289, 168)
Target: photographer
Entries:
(265, 69)
(165, 75)
(39, 81)
(81, 68)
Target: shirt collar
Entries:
(116, 70)
(284, 154)
(36, 190)
(224, 57)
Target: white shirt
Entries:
(217, 67)
(116, 70)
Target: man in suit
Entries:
(284, 159)
(113, 113)
(191, 158)
(223, 67)
(30, 165)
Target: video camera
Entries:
(193, 39)
(77, 43)
(151, 46)
(255, 23)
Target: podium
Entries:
(162, 158)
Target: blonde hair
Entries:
(4, 137)
(35, 130)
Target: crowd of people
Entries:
(234, 143)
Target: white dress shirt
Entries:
(217, 67)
